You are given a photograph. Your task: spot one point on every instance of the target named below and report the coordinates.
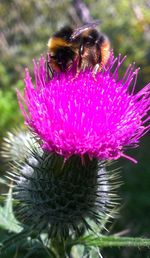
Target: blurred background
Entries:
(25, 27)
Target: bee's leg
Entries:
(79, 65)
(49, 71)
(76, 75)
(105, 53)
(96, 69)
(80, 61)
(98, 66)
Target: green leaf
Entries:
(24, 246)
(112, 241)
(7, 218)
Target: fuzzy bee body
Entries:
(85, 46)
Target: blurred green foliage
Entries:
(25, 28)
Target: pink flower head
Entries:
(99, 116)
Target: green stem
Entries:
(58, 247)
(112, 241)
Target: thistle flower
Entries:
(100, 116)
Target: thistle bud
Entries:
(60, 197)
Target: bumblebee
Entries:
(84, 46)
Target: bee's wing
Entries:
(85, 27)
